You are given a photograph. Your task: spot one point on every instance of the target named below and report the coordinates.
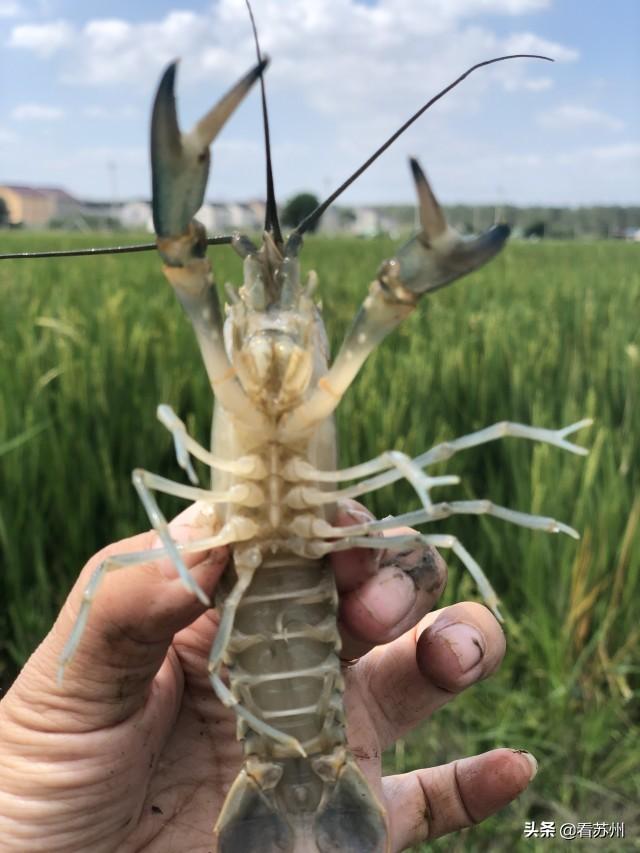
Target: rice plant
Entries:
(548, 333)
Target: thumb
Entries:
(426, 804)
(129, 628)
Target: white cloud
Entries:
(42, 39)
(344, 74)
(454, 10)
(538, 84)
(10, 9)
(604, 174)
(508, 7)
(585, 156)
(571, 176)
(623, 151)
(327, 46)
(525, 7)
(530, 161)
(6, 136)
(123, 154)
(108, 34)
(514, 79)
(531, 43)
(36, 112)
(112, 51)
(576, 116)
(354, 72)
(96, 112)
(99, 112)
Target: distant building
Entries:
(215, 218)
(35, 207)
(242, 217)
(103, 212)
(46, 207)
(258, 209)
(332, 222)
(136, 215)
(229, 217)
(367, 222)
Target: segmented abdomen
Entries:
(284, 668)
(283, 655)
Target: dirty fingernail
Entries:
(465, 642)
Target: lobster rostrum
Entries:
(275, 486)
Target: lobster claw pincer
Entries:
(180, 161)
(179, 168)
(438, 254)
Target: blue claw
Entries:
(180, 161)
(438, 255)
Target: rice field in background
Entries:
(546, 334)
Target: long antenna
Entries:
(272, 213)
(320, 209)
(105, 250)
(271, 223)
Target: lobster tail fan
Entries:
(343, 816)
(250, 821)
(351, 820)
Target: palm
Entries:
(135, 753)
(186, 781)
(201, 754)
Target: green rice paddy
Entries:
(548, 333)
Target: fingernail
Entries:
(359, 516)
(388, 599)
(531, 761)
(465, 642)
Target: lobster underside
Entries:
(300, 790)
(275, 489)
(282, 658)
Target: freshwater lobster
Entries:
(275, 485)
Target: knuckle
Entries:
(424, 565)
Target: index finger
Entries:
(382, 593)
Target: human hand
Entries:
(135, 753)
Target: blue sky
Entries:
(77, 80)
